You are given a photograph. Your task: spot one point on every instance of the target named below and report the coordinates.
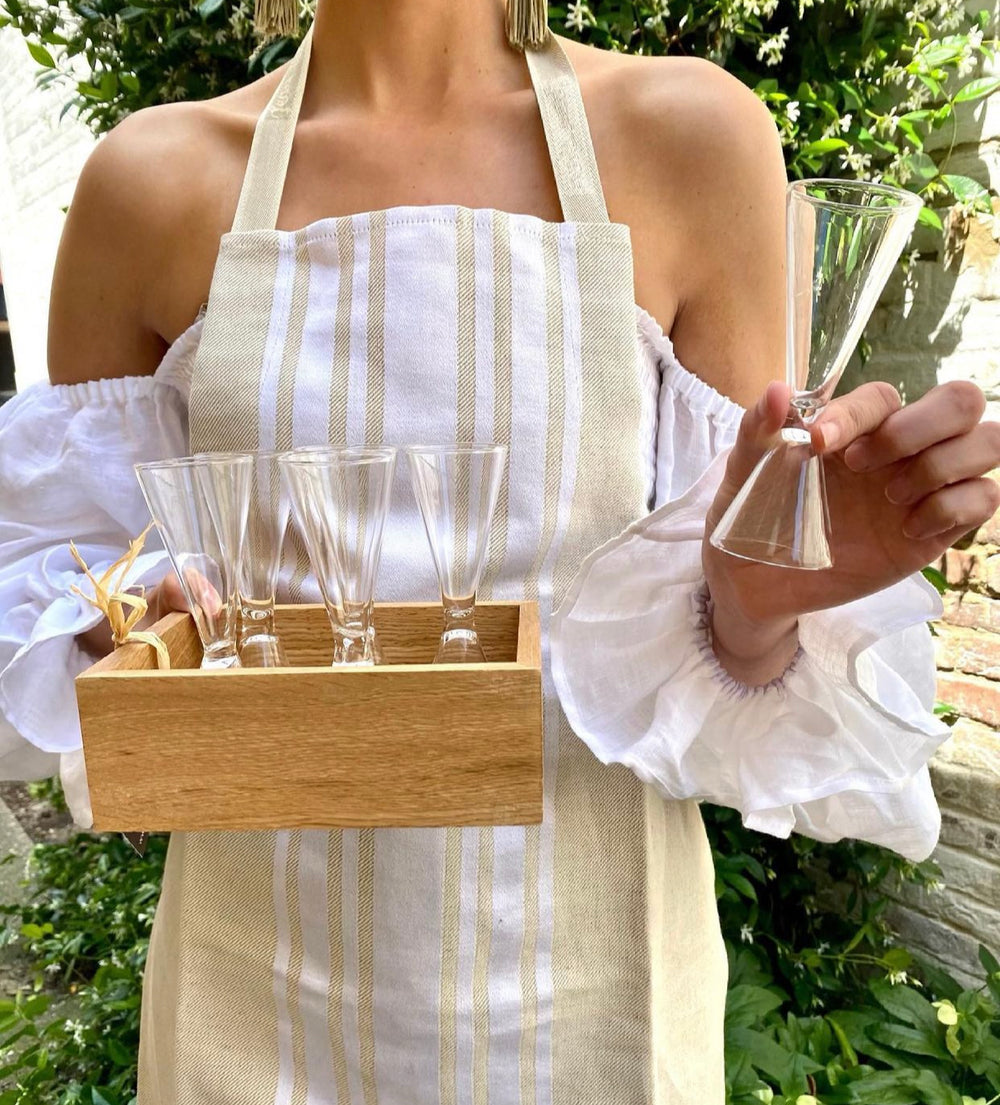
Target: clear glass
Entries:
(843, 241)
(267, 521)
(340, 498)
(200, 508)
(456, 487)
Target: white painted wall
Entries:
(40, 160)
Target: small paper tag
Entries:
(137, 842)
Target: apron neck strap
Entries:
(567, 133)
(571, 149)
(264, 182)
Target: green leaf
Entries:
(849, 1055)
(41, 55)
(976, 89)
(964, 188)
(929, 217)
(745, 1005)
(940, 584)
(208, 8)
(823, 145)
(911, 1041)
(905, 1004)
(740, 883)
(771, 1058)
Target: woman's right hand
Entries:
(164, 598)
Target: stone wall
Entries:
(40, 160)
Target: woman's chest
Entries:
(440, 325)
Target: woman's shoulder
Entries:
(139, 243)
(690, 110)
(188, 142)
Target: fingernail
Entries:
(854, 458)
(917, 532)
(897, 492)
(832, 434)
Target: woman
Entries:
(483, 293)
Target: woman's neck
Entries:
(410, 56)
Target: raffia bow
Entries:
(122, 610)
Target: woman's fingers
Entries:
(856, 415)
(959, 458)
(169, 596)
(948, 410)
(959, 506)
(757, 431)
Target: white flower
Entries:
(856, 161)
(579, 15)
(845, 123)
(746, 934)
(772, 49)
(53, 969)
(897, 978)
(822, 947)
(75, 1029)
(975, 38)
(967, 65)
(792, 110)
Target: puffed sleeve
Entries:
(836, 748)
(66, 457)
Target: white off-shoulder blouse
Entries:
(837, 748)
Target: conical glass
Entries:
(456, 488)
(200, 508)
(843, 241)
(267, 520)
(340, 498)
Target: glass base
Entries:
(218, 659)
(353, 650)
(262, 650)
(780, 515)
(460, 646)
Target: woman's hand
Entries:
(903, 484)
(164, 598)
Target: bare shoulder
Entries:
(692, 161)
(687, 118)
(140, 237)
(163, 159)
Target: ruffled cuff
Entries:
(837, 747)
(37, 694)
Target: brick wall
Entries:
(40, 160)
(943, 323)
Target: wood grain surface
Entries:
(405, 743)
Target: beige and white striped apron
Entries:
(579, 961)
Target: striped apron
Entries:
(579, 961)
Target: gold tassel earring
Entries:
(527, 23)
(276, 18)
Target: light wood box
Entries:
(405, 743)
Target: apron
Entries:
(575, 961)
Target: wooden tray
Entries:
(405, 743)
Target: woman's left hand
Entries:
(903, 484)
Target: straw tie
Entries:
(122, 610)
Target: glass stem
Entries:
(353, 637)
(460, 617)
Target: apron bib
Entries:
(576, 961)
